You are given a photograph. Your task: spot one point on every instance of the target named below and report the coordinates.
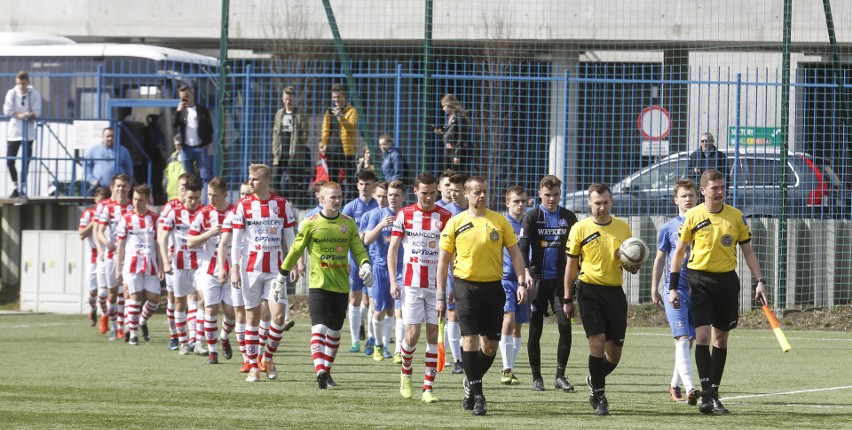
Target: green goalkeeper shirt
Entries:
(328, 241)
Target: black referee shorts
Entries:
(327, 308)
(715, 298)
(479, 307)
(603, 310)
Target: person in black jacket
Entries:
(456, 134)
(707, 157)
(543, 238)
(195, 127)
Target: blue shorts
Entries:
(355, 282)
(522, 311)
(680, 320)
(380, 291)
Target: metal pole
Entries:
(222, 89)
(246, 108)
(397, 104)
(737, 141)
(781, 298)
(428, 137)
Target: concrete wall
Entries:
(609, 21)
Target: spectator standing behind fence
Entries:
(340, 137)
(23, 104)
(456, 133)
(100, 164)
(391, 159)
(195, 127)
(174, 169)
(364, 162)
(707, 157)
(291, 156)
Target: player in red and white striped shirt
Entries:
(170, 302)
(140, 274)
(263, 230)
(417, 228)
(86, 232)
(109, 213)
(185, 261)
(223, 263)
(205, 234)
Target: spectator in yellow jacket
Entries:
(340, 134)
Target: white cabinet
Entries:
(52, 272)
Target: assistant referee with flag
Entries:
(712, 231)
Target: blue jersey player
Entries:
(515, 315)
(680, 320)
(356, 209)
(377, 225)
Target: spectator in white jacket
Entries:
(23, 105)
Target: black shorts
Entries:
(327, 308)
(547, 293)
(479, 307)
(715, 298)
(603, 309)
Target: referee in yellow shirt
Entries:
(476, 238)
(593, 252)
(712, 231)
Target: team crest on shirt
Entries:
(494, 236)
(343, 229)
(563, 222)
(727, 240)
(274, 209)
(438, 224)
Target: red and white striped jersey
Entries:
(140, 251)
(164, 212)
(87, 218)
(109, 213)
(177, 224)
(208, 217)
(263, 223)
(421, 233)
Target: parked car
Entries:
(813, 189)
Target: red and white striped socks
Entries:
(252, 345)
(431, 364)
(180, 327)
(240, 330)
(407, 358)
(170, 317)
(148, 311)
(275, 333)
(211, 327)
(133, 309)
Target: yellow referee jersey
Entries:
(596, 246)
(478, 245)
(713, 237)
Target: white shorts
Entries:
(237, 295)
(170, 283)
(213, 292)
(140, 282)
(92, 276)
(258, 287)
(418, 305)
(106, 274)
(183, 282)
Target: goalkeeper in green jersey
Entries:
(328, 236)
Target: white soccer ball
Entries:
(633, 251)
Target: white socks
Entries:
(683, 364)
(454, 339)
(354, 322)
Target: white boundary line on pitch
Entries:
(785, 393)
(761, 336)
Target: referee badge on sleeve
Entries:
(494, 235)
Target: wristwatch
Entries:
(567, 300)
